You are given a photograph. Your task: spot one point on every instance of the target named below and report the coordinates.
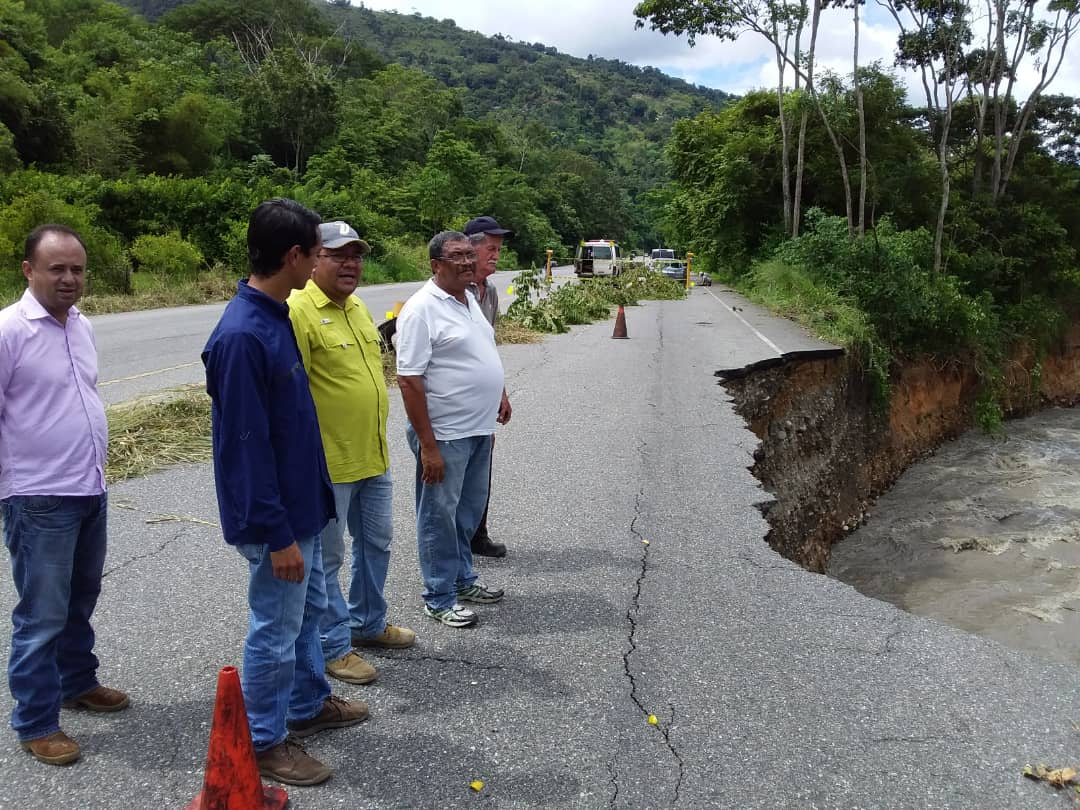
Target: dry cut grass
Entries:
(507, 331)
(148, 435)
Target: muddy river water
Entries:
(984, 535)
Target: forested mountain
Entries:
(173, 128)
(617, 113)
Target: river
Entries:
(984, 535)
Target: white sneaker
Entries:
(455, 616)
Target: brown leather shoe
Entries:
(336, 713)
(288, 762)
(99, 699)
(56, 749)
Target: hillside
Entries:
(613, 111)
(530, 80)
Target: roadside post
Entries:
(548, 269)
(689, 260)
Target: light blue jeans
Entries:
(447, 515)
(284, 675)
(367, 507)
(57, 545)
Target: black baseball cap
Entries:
(485, 225)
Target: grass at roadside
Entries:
(148, 435)
(788, 291)
(155, 292)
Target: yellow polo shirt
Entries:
(341, 353)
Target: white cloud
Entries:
(606, 28)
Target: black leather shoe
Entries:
(486, 547)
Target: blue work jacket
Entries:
(269, 467)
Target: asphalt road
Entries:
(772, 687)
(144, 352)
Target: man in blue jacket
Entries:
(274, 494)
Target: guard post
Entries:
(547, 272)
(689, 260)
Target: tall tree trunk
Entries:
(800, 159)
(785, 127)
(842, 159)
(861, 111)
(800, 162)
(943, 160)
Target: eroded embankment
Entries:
(826, 452)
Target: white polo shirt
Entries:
(452, 347)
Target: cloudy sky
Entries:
(606, 28)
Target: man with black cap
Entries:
(486, 237)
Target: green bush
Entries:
(397, 260)
(107, 269)
(167, 256)
(887, 274)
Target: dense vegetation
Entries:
(156, 138)
(948, 228)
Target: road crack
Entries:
(137, 558)
(614, 771)
(631, 619)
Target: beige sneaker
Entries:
(336, 713)
(393, 636)
(351, 668)
(288, 762)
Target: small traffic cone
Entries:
(232, 777)
(620, 325)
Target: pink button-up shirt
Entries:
(53, 433)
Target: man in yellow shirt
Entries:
(339, 345)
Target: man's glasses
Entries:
(459, 258)
(342, 258)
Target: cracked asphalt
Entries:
(771, 687)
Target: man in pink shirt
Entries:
(53, 437)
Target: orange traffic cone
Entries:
(232, 778)
(620, 325)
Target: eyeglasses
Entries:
(341, 258)
(459, 258)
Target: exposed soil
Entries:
(827, 451)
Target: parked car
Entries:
(675, 270)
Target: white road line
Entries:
(764, 339)
(149, 373)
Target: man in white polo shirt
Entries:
(451, 381)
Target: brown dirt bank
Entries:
(826, 452)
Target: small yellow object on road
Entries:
(510, 290)
(652, 720)
(389, 314)
(477, 785)
(646, 542)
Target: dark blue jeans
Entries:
(57, 545)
